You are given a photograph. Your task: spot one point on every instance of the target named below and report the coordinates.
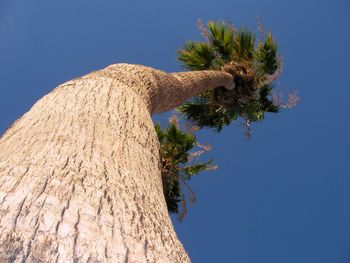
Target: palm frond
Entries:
(197, 56)
(196, 168)
(221, 38)
(203, 114)
(243, 45)
(266, 55)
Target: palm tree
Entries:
(80, 179)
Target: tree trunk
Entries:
(79, 172)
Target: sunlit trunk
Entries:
(79, 172)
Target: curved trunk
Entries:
(79, 173)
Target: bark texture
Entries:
(79, 173)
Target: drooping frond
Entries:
(204, 114)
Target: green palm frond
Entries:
(203, 114)
(196, 169)
(221, 39)
(197, 56)
(266, 55)
(243, 45)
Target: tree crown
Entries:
(254, 64)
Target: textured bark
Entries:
(79, 173)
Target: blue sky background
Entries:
(282, 197)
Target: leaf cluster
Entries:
(254, 64)
(178, 165)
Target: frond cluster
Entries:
(254, 64)
(179, 162)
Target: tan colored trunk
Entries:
(79, 173)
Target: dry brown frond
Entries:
(212, 168)
(206, 147)
(174, 120)
(261, 27)
(191, 127)
(291, 102)
(231, 26)
(203, 29)
(194, 156)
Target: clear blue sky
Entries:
(282, 197)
